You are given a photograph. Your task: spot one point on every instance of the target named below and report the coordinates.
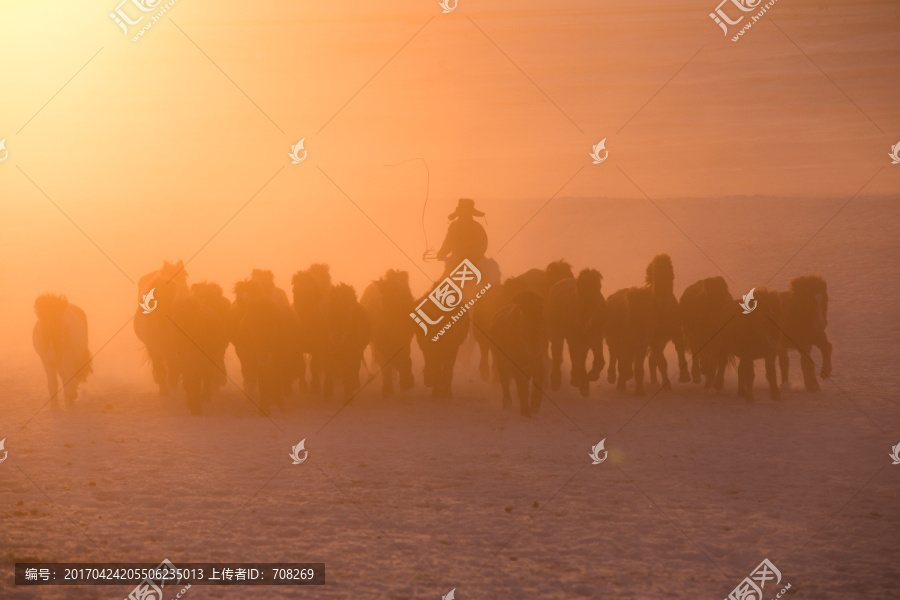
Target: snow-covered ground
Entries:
(412, 497)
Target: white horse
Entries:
(61, 340)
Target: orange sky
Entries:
(151, 148)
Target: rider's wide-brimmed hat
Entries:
(466, 206)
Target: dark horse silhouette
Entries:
(630, 329)
(804, 317)
(348, 335)
(155, 328)
(519, 348)
(201, 318)
(576, 313)
(748, 337)
(265, 335)
(60, 338)
(312, 290)
(388, 303)
(660, 279)
(701, 306)
(538, 281)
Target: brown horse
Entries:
(388, 303)
(60, 338)
(576, 313)
(349, 333)
(519, 347)
(630, 329)
(749, 337)
(440, 348)
(312, 289)
(701, 306)
(537, 281)
(804, 317)
(153, 321)
(202, 322)
(265, 335)
(660, 277)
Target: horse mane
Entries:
(50, 307)
(322, 273)
(173, 270)
(343, 293)
(589, 283)
(265, 279)
(207, 292)
(660, 274)
(247, 289)
(395, 286)
(559, 270)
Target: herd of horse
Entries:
(317, 337)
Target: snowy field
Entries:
(412, 497)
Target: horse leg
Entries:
(695, 368)
(624, 362)
(173, 372)
(611, 369)
(639, 372)
(684, 375)
(387, 380)
(70, 389)
(747, 375)
(302, 386)
(503, 372)
(784, 364)
(484, 364)
(772, 377)
(315, 372)
(717, 369)
(825, 347)
(522, 391)
(663, 365)
(578, 356)
(537, 384)
(652, 361)
(52, 383)
(598, 361)
(158, 362)
(556, 362)
(448, 375)
(404, 368)
(808, 367)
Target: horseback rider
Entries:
(466, 238)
